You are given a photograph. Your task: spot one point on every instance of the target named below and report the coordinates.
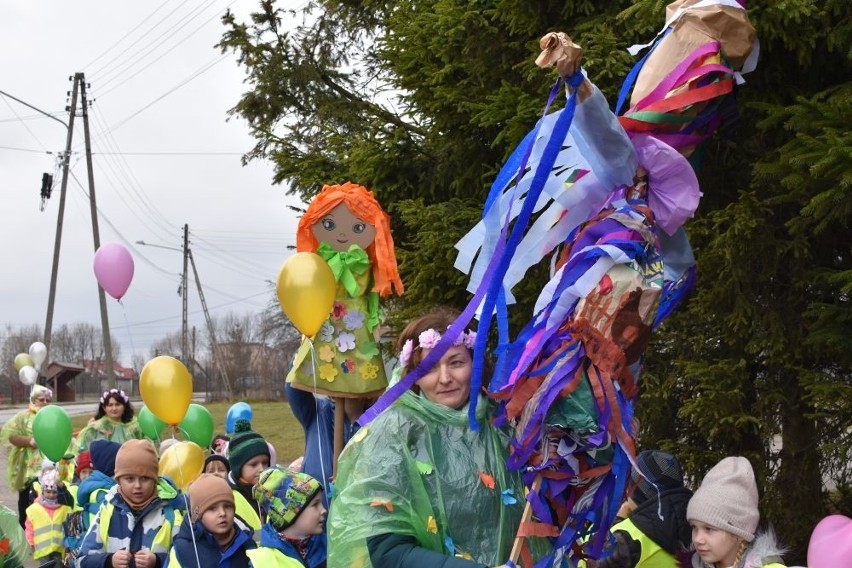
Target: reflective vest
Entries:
(72, 489)
(47, 532)
(269, 557)
(162, 540)
(245, 511)
(96, 499)
(653, 555)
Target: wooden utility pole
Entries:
(184, 292)
(110, 371)
(66, 159)
(214, 347)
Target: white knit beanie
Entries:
(727, 498)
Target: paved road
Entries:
(72, 408)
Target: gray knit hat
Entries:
(658, 472)
(727, 498)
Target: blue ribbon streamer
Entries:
(495, 285)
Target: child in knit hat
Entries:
(724, 515)
(209, 536)
(135, 523)
(248, 455)
(293, 535)
(93, 490)
(217, 465)
(656, 529)
(83, 469)
(45, 516)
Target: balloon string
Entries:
(317, 412)
(129, 335)
(185, 498)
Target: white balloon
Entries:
(38, 353)
(28, 375)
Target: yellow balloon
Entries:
(23, 360)
(166, 388)
(183, 463)
(306, 290)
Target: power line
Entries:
(136, 187)
(26, 150)
(96, 72)
(106, 82)
(118, 233)
(169, 153)
(195, 75)
(110, 48)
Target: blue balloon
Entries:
(238, 411)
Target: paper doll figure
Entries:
(347, 227)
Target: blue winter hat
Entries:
(103, 456)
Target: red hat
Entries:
(84, 461)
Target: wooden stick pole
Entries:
(339, 425)
(515, 555)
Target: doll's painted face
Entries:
(340, 228)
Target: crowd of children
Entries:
(246, 511)
(118, 512)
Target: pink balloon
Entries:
(831, 543)
(113, 269)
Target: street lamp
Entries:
(143, 243)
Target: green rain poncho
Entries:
(22, 463)
(419, 470)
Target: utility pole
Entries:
(184, 351)
(110, 372)
(66, 159)
(216, 352)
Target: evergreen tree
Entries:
(422, 101)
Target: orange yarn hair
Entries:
(362, 204)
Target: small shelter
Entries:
(59, 376)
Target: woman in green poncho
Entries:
(24, 458)
(115, 421)
(417, 487)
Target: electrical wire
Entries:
(135, 186)
(126, 35)
(206, 67)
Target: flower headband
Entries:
(429, 339)
(118, 392)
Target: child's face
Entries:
(85, 473)
(339, 228)
(311, 520)
(219, 519)
(714, 546)
(137, 488)
(217, 468)
(50, 494)
(252, 468)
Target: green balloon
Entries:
(198, 425)
(23, 360)
(151, 426)
(52, 432)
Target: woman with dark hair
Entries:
(417, 487)
(114, 421)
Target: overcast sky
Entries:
(164, 156)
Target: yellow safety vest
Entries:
(173, 561)
(47, 532)
(72, 489)
(162, 540)
(653, 555)
(245, 511)
(269, 557)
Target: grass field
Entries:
(273, 420)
